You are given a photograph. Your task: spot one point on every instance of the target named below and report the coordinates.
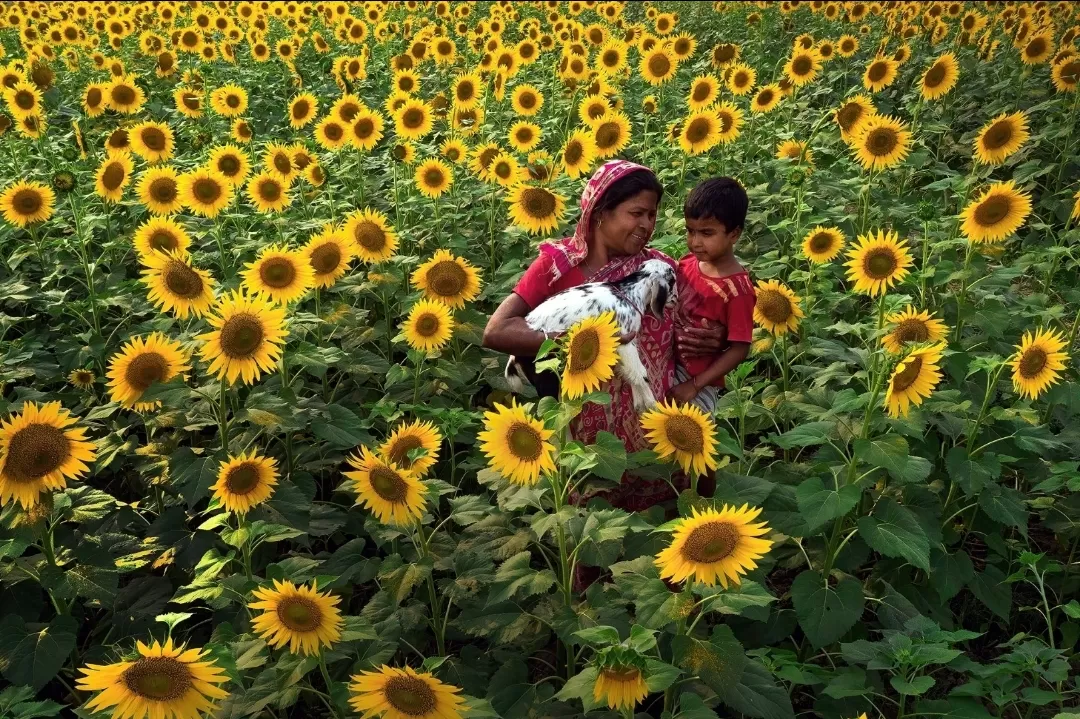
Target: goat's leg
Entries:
(634, 372)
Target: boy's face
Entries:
(709, 239)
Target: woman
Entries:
(618, 215)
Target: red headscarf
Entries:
(570, 251)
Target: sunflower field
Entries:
(254, 461)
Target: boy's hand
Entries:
(684, 392)
(706, 341)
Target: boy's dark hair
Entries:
(626, 187)
(719, 198)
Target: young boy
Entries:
(714, 289)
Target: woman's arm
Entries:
(507, 331)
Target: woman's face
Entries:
(627, 228)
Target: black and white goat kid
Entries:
(649, 289)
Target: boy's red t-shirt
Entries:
(728, 300)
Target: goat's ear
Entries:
(659, 300)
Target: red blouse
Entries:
(728, 300)
(535, 285)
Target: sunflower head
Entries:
(777, 308)
(881, 142)
(911, 327)
(877, 262)
(279, 274)
(683, 433)
(1001, 137)
(429, 326)
(298, 616)
(913, 380)
(591, 352)
(25, 203)
(1038, 362)
(447, 279)
(393, 494)
(715, 546)
(996, 213)
(40, 450)
(404, 693)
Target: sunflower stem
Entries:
(245, 550)
(962, 295)
(326, 680)
(223, 417)
(86, 265)
(416, 378)
(991, 383)
(221, 249)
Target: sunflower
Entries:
(279, 275)
(374, 240)
(245, 481)
(328, 253)
(32, 126)
(853, 114)
(404, 694)
(1066, 74)
(455, 151)
(94, 101)
(269, 192)
(347, 107)
(526, 100)
(229, 101)
(394, 495)
(1038, 48)
(247, 337)
(298, 616)
(409, 437)
(152, 141)
(25, 203)
(39, 451)
(940, 77)
(741, 79)
(913, 380)
(161, 234)
(517, 446)
(880, 73)
(881, 142)
(139, 364)
(796, 152)
(619, 686)
(730, 119)
(524, 136)
(611, 135)
(683, 46)
(877, 262)
(205, 192)
(505, 170)
(703, 91)
(112, 176)
(536, 209)
(766, 99)
(1001, 137)
(24, 100)
(684, 433)
(1076, 206)
(1037, 362)
(803, 66)
(822, 244)
(724, 54)
(165, 681)
(124, 96)
(302, 109)
(658, 65)
(403, 153)
(777, 307)
(241, 131)
(231, 162)
(715, 545)
(429, 325)
(611, 59)
(413, 120)
(159, 191)
(912, 327)
(433, 178)
(366, 130)
(700, 132)
(996, 213)
(175, 285)
(82, 378)
(467, 91)
(447, 279)
(592, 109)
(847, 45)
(591, 353)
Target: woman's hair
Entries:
(626, 187)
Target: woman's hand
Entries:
(684, 392)
(706, 341)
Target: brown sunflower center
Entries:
(821, 242)
(241, 335)
(433, 178)
(524, 441)
(146, 369)
(399, 450)
(113, 177)
(848, 115)
(741, 79)
(301, 109)
(269, 190)
(1036, 47)
(28, 202)
(912, 330)
(880, 263)
(881, 141)
(163, 190)
(524, 135)
(802, 65)
(243, 129)
(659, 65)
(207, 190)
(277, 272)
(282, 163)
(775, 306)
(538, 203)
(93, 97)
(232, 101)
(723, 54)
(25, 100)
(333, 131)
(465, 91)
(608, 135)
(596, 110)
(388, 484)
(611, 58)
(935, 75)
(154, 138)
(370, 236)
(684, 434)
(998, 135)
(682, 46)
(907, 376)
(122, 95)
(584, 350)
(413, 118)
(34, 451)
(992, 210)
(299, 614)
(447, 278)
(410, 695)
(698, 130)
(427, 325)
(243, 478)
(191, 101)
(502, 169)
(527, 100)
(453, 154)
(1032, 362)
(161, 679)
(165, 61)
(400, 152)
(348, 111)
(764, 97)
(228, 165)
(326, 258)
(180, 279)
(726, 122)
(711, 542)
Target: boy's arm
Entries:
(731, 358)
